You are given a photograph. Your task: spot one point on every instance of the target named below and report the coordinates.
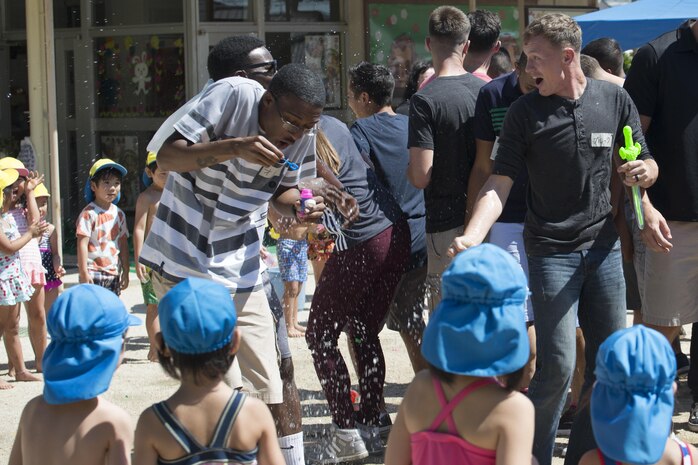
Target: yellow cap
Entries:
(7, 178)
(106, 163)
(13, 163)
(41, 191)
(152, 157)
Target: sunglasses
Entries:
(271, 68)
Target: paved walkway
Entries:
(139, 383)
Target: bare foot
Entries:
(26, 376)
(152, 355)
(299, 327)
(10, 370)
(4, 385)
(293, 332)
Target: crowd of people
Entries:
(525, 336)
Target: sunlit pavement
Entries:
(139, 383)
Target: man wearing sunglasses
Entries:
(227, 155)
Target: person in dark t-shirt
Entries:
(441, 142)
(662, 82)
(381, 137)
(565, 133)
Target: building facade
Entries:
(122, 66)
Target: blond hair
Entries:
(326, 152)
(558, 29)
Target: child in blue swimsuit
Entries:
(204, 421)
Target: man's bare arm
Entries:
(482, 168)
(180, 155)
(419, 169)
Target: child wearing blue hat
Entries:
(70, 422)
(103, 257)
(632, 402)
(457, 412)
(205, 420)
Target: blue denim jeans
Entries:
(588, 284)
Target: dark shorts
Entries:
(107, 281)
(278, 312)
(406, 309)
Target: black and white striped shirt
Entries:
(210, 221)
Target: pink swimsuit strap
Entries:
(448, 406)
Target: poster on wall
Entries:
(397, 32)
(322, 55)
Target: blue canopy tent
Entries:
(636, 23)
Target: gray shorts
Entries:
(668, 287)
(407, 307)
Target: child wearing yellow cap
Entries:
(48, 246)
(15, 286)
(101, 230)
(154, 180)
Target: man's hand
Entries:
(257, 150)
(656, 233)
(331, 195)
(637, 173)
(459, 244)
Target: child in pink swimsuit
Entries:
(457, 412)
(632, 402)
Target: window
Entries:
(225, 10)
(321, 52)
(139, 76)
(134, 12)
(302, 10)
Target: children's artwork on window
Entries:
(322, 55)
(139, 76)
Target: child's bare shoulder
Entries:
(112, 413)
(152, 194)
(421, 387)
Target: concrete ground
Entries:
(139, 383)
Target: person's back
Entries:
(632, 402)
(445, 124)
(69, 423)
(80, 433)
(465, 432)
(204, 421)
(457, 412)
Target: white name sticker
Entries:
(601, 139)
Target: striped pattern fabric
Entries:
(497, 114)
(217, 451)
(210, 221)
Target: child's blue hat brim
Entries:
(98, 166)
(197, 316)
(147, 180)
(87, 325)
(632, 402)
(479, 329)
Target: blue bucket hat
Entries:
(633, 399)
(478, 329)
(150, 159)
(197, 316)
(86, 324)
(98, 166)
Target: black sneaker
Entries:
(693, 418)
(385, 423)
(565, 425)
